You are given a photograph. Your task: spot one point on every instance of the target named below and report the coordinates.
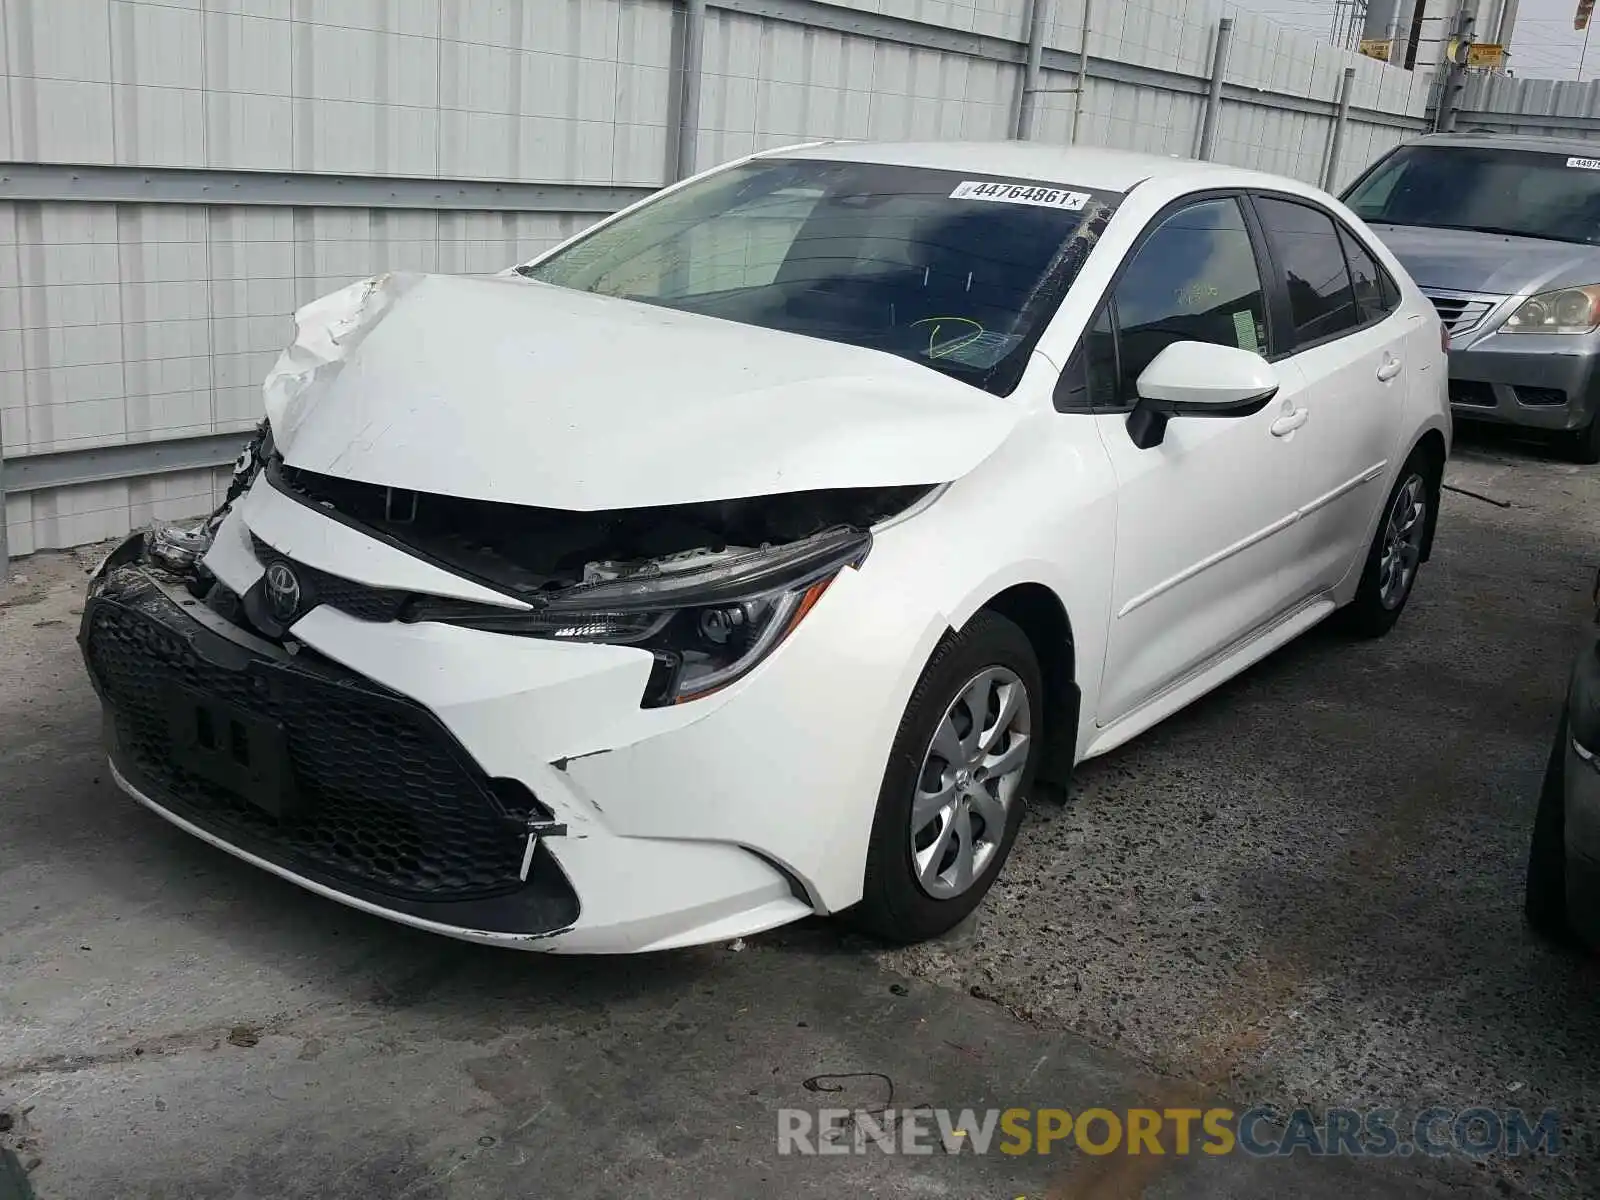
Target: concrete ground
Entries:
(1305, 889)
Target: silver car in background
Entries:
(1503, 235)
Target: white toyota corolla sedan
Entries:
(751, 554)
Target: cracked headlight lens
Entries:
(708, 621)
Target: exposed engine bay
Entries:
(708, 588)
(528, 551)
(178, 546)
(531, 551)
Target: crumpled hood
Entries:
(1462, 261)
(500, 388)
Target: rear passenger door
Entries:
(1348, 341)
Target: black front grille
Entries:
(1472, 393)
(389, 800)
(1538, 397)
(1460, 314)
(358, 599)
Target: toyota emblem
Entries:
(283, 592)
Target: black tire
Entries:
(1583, 446)
(1545, 899)
(1368, 615)
(894, 905)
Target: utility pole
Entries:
(1219, 73)
(1032, 72)
(692, 67)
(1455, 79)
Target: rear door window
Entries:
(1305, 244)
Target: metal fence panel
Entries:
(215, 169)
(1555, 108)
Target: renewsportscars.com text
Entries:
(1261, 1132)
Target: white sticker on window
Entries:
(1021, 193)
(1584, 164)
(1244, 331)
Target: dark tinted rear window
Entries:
(1305, 244)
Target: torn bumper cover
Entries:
(308, 769)
(509, 789)
(334, 780)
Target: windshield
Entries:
(956, 271)
(1526, 193)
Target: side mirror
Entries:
(1199, 379)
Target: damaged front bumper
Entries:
(497, 788)
(420, 751)
(307, 769)
(345, 786)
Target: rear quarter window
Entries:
(1376, 294)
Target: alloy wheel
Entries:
(968, 783)
(1403, 532)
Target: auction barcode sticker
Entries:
(1021, 193)
(1586, 164)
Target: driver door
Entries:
(1202, 559)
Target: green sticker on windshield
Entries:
(1244, 331)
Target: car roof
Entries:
(1587, 147)
(1074, 166)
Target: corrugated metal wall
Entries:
(1557, 108)
(144, 317)
(137, 322)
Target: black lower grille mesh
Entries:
(1540, 397)
(390, 801)
(1471, 392)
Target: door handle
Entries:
(1391, 367)
(1289, 422)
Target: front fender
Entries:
(1041, 510)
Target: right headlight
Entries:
(708, 620)
(1568, 310)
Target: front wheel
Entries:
(953, 793)
(1584, 445)
(1395, 556)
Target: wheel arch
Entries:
(1431, 447)
(1038, 611)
